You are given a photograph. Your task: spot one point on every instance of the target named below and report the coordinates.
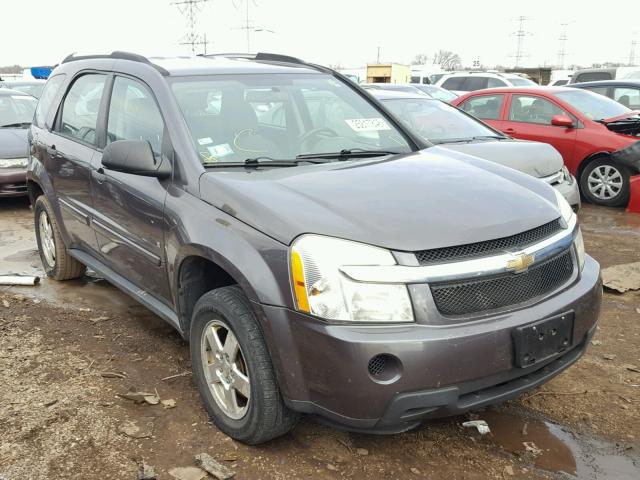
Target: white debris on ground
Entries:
(480, 425)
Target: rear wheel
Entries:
(233, 370)
(57, 263)
(606, 183)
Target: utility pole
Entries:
(562, 53)
(190, 9)
(520, 34)
(378, 57)
(632, 53)
(247, 24)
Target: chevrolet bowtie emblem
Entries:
(521, 262)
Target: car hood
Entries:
(428, 199)
(13, 142)
(534, 158)
(620, 117)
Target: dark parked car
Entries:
(319, 261)
(626, 92)
(16, 112)
(30, 87)
(442, 124)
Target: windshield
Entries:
(279, 116)
(437, 92)
(521, 82)
(592, 105)
(16, 110)
(435, 121)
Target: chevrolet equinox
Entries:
(319, 257)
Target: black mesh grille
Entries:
(509, 289)
(377, 364)
(489, 247)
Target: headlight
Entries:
(579, 244)
(13, 162)
(565, 209)
(566, 175)
(322, 290)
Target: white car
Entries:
(463, 82)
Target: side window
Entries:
(473, 83)
(134, 115)
(629, 97)
(599, 90)
(495, 83)
(487, 107)
(453, 83)
(81, 106)
(530, 109)
(593, 77)
(46, 99)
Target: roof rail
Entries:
(260, 56)
(116, 55)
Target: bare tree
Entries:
(420, 59)
(447, 60)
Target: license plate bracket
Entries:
(541, 340)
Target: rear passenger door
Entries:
(627, 96)
(70, 149)
(488, 108)
(129, 209)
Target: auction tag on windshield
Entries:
(368, 124)
(205, 141)
(221, 150)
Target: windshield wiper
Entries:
(260, 162)
(346, 154)
(489, 137)
(468, 139)
(16, 125)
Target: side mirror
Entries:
(135, 157)
(561, 121)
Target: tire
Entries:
(598, 168)
(263, 416)
(61, 266)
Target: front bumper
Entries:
(571, 192)
(323, 369)
(13, 182)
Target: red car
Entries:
(598, 138)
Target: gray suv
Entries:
(319, 258)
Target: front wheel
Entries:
(233, 370)
(606, 183)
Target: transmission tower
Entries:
(247, 24)
(190, 9)
(520, 34)
(562, 53)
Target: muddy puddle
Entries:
(554, 448)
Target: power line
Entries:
(520, 34)
(562, 53)
(190, 9)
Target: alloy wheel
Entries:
(605, 182)
(225, 369)
(46, 239)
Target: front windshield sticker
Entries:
(368, 124)
(205, 141)
(221, 150)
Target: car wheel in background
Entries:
(57, 263)
(606, 183)
(233, 370)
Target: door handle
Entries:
(53, 152)
(98, 175)
(509, 130)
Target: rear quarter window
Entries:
(453, 83)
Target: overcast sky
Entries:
(345, 32)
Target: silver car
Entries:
(442, 124)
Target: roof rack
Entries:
(116, 55)
(260, 56)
